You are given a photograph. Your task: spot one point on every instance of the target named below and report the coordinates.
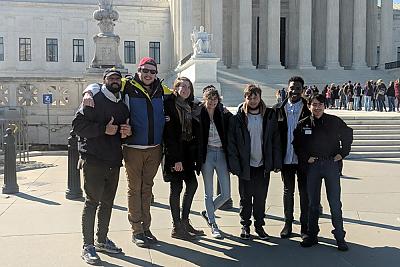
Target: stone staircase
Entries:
(375, 134)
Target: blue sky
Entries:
(396, 1)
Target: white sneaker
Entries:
(215, 231)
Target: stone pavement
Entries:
(39, 227)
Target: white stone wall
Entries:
(140, 21)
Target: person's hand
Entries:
(311, 159)
(178, 167)
(226, 110)
(337, 157)
(87, 100)
(125, 129)
(110, 128)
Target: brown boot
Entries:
(179, 232)
(190, 229)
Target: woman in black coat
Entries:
(182, 157)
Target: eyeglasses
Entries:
(147, 71)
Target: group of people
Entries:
(373, 95)
(141, 121)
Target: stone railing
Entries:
(28, 93)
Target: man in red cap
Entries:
(143, 94)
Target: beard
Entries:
(114, 87)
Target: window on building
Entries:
(51, 50)
(25, 49)
(129, 52)
(78, 50)
(398, 52)
(1, 49)
(154, 51)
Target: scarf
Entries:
(185, 117)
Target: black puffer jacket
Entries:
(239, 144)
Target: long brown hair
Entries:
(178, 82)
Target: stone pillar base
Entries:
(106, 55)
(202, 71)
(333, 66)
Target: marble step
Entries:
(382, 127)
(390, 142)
(374, 154)
(377, 132)
(376, 148)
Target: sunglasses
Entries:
(147, 71)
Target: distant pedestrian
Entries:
(397, 93)
(391, 96)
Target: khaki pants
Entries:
(141, 166)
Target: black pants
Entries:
(100, 184)
(253, 195)
(329, 171)
(176, 186)
(288, 173)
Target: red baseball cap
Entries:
(148, 60)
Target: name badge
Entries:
(307, 131)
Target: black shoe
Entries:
(261, 233)
(179, 232)
(245, 234)
(140, 240)
(287, 230)
(150, 237)
(303, 231)
(205, 217)
(309, 242)
(188, 226)
(342, 245)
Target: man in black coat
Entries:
(253, 151)
(100, 129)
(321, 141)
(288, 113)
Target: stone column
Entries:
(386, 40)
(332, 35)
(304, 60)
(216, 16)
(346, 33)
(245, 21)
(263, 35)
(186, 28)
(235, 33)
(273, 34)
(292, 48)
(359, 34)
(372, 26)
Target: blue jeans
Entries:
(215, 160)
(329, 170)
(356, 103)
(391, 103)
(367, 103)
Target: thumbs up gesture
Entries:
(110, 128)
(125, 129)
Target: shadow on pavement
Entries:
(128, 261)
(36, 199)
(280, 252)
